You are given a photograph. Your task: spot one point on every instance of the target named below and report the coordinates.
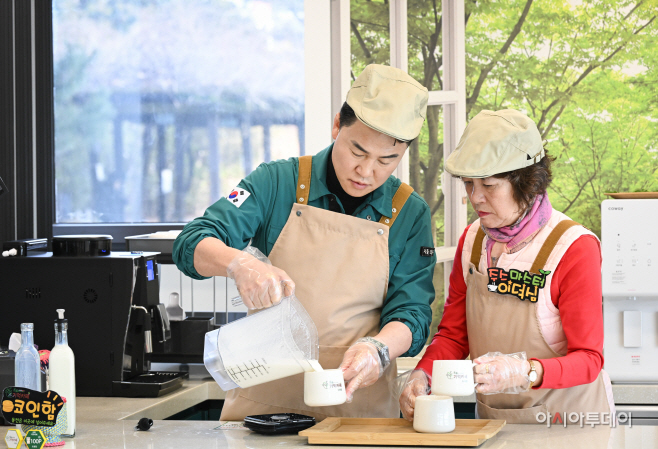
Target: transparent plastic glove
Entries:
(361, 367)
(412, 384)
(260, 284)
(496, 372)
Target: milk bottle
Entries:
(62, 371)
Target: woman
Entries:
(525, 289)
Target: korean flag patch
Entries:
(238, 196)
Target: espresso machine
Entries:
(112, 305)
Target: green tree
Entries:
(585, 72)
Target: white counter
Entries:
(110, 423)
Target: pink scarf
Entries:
(519, 234)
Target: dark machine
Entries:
(112, 305)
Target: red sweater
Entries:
(575, 291)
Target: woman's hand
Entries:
(496, 372)
(417, 384)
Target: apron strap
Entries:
(401, 196)
(304, 179)
(549, 244)
(477, 248)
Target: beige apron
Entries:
(506, 324)
(340, 267)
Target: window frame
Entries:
(452, 98)
(29, 208)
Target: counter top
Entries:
(110, 423)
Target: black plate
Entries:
(278, 423)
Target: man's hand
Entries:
(361, 367)
(260, 284)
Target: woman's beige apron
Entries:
(340, 267)
(506, 324)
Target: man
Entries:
(352, 242)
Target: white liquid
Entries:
(62, 380)
(250, 373)
(315, 365)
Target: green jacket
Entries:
(262, 216)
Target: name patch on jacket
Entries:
(522, 284)
(426, 251)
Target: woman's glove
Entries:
(260, 284)
(496, 372)
(361, 366)
(413, 384)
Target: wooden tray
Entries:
(399, 432)
(633, 195)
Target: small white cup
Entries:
(434, 414)
(453, 377)
(325, 387)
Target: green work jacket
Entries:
(262, 216)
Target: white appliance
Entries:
(629, 238)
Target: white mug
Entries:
(453, 377)
(326, 387)
(434, 414)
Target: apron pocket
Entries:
(511, 415)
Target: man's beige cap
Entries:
(496, 142)
(390, 101)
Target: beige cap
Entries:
(496, 142)
(388, 100)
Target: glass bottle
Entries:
(62, 371)
(27, 363)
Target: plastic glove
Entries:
(260, 284)
(496, 372)
(361, 366)
(413, 384)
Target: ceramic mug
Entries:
(326, 387)
(434, 414)
(453, 377)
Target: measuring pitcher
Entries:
(270, 344)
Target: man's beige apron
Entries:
(506, 324)
(340, 267)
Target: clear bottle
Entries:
(62, 371)
(27, 369)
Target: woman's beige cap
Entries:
(496, 142)
(390, 101)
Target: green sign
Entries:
(34, 439)
(30, 407)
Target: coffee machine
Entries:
(112, 305)
(629, 245)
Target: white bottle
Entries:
(62, 371)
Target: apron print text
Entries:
(522, 284)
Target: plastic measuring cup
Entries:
(270, 344)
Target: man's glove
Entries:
(260, 284)
(361, 366)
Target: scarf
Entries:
(519, 234)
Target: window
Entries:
(585, 72)
(425, 38)
(162, 106)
